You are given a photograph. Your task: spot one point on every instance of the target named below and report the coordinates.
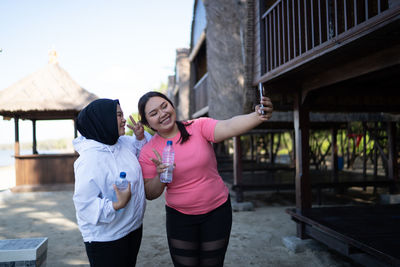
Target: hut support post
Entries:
(392, 158)
(237, 168)
(75, 128)
(303, 185)
(16, 130)
(34, 144)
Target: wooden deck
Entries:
(370, 235)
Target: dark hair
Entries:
(181, 124)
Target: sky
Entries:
(116, 49)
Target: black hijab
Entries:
(98, 121)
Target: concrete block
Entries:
(23, 252)
(298, 245)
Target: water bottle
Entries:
(121, 184)
(168, 156)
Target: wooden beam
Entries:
(237, 168)
(303, 184)
(354, 68)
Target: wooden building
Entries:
(48, 94)
(337, 57)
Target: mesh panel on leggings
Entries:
(186, 253)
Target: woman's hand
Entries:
(123, 197)
(241, 124)
(137, 128)
(158, 162)
(267, 108)
(153, 186)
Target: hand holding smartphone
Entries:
(260, 91)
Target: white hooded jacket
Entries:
(96, 170)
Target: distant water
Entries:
(7, 156)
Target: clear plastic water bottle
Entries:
(121, 184)
(168, 157)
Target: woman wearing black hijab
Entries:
(111, 229)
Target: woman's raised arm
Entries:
(243, 123)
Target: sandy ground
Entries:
(256, 238)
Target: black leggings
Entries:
(199, 240)
(119, 253)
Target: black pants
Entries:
(119, 253)
(199, 240)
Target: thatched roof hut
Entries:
(48, 94)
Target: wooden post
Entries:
(392, 157)
(364, 151)
(342, 143)
(34, 145)
(75, 128)
(271, 148)
(16, 130)
(237, 168)
(252, 146)
(375, 151)
(303, 184)
(292, 136)
(348, 146)
(334, 155)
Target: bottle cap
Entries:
(122, 174)
(169, 143)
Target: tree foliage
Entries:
(136, 118)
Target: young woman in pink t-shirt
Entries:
(198, 209)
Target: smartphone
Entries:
(260, 90)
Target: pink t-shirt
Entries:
(196, 188)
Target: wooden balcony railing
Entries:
(291, 28)
(200, 90)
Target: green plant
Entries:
(136, 118)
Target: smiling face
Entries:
(161, 116)
(120, 121)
